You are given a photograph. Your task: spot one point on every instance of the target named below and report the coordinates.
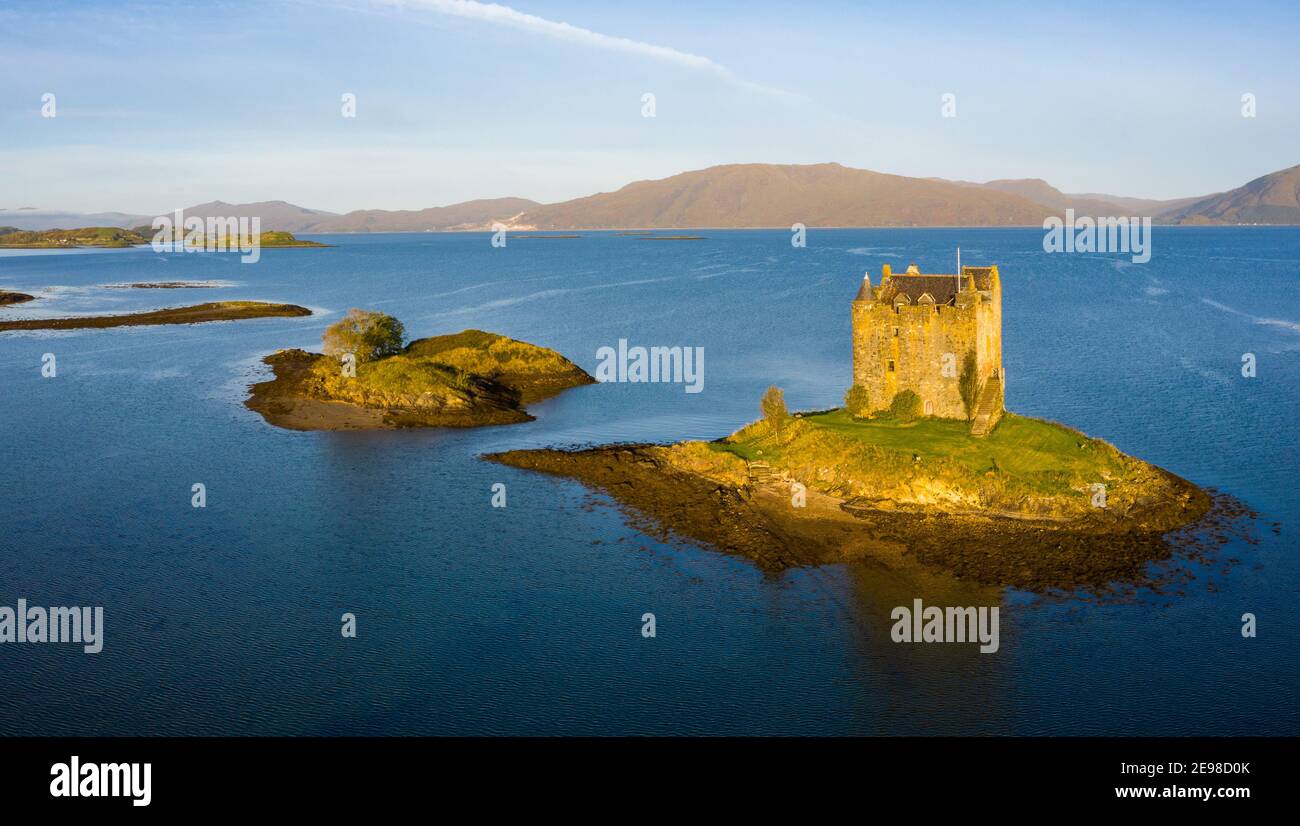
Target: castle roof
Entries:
(941, 287)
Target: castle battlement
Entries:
(923, 332)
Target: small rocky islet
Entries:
(11, 298)
(466, 379)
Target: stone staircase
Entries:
(760, 473)
(989, 408)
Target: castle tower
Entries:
(864, 292)
(925, 332)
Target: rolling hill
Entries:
(1271, 199)
(771, 195)
(1041, 192)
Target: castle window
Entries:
(891, 365)
(895, 332)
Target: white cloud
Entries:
(505, 16)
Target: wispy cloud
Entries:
(505, 16)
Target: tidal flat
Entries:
(196, 314)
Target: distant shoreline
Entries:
(630, 232)
(535, 232)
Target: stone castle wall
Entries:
(921, 340)
(988, 352)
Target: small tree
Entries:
(857, 401)
(367, 335)
(906, 406)
(773, 407)
(968, 384)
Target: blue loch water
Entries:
(527, 619)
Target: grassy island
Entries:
(465, 379)
(287, 239)
(265, 240)
(1034, 504)
(112, 237)
(115, 237)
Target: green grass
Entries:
(274, 238)
(442, 370)
(437, 345)
(279, 238)
(489, 354)
(1021, 458)
(394, 381)
(1018, 445)
(745, 450)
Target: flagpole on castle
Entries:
(959, 269)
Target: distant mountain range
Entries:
(754, 195)
(1272, 199)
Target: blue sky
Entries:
(173, 103)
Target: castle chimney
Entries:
(885, 273)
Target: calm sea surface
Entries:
(526, 620)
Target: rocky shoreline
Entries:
(758, 521)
